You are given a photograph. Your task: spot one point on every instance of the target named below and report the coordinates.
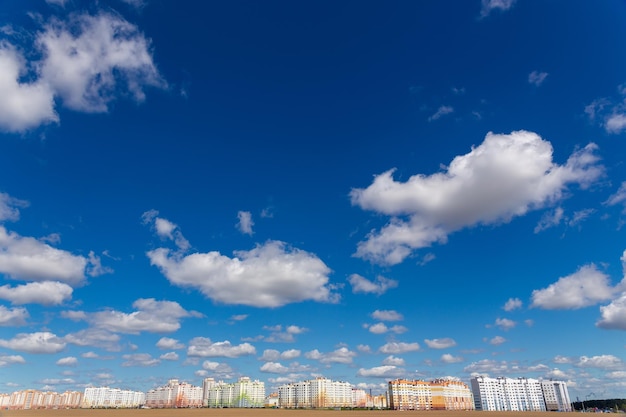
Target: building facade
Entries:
(175, 395)
(441, 394)
(519, 394)
(105, 397)
(34, 399)
(315, 393)
(245, 393)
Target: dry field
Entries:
(243, 412)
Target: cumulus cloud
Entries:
(387, 315)
(611, 113)
(205, 348)
(270, 275)
(619, 197)
(286, 335)
(614, 314)
(385, 371)
(496, 340)
(399, 347)
(151, 316)
(9, 206)
(505, 324)
(13, 316)
(364, 286)
(169, 356)
(502, 178)
(95, 337)
(86, 62)
(448, 358)
(444, 343)
(585, 287)
(341, 355)
(537, 78)
(381, 328)
(274, 368)
(512, 304)
(45, 293)
(67, 361)
(10, 360)
(139, 359)
(606, 362)
(486, 367)
(167, 343)
(393, 361)
(165, 229)
(441, 111)
(487, 6)
(245, 223)
(38, 342)
(615, 123)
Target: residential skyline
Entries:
(362, 191)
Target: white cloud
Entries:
(393, 361)
(139, 359)
(165, 229)
(557, 374)
(67, 361)
(270, 355)
(10, 360)
(537, 78)
(614, 314)
(619, 197)
(504, 177)
(487, 366)
(38, 342)
(85, 60)
(44, 293)
(203, 347)
(441, 111)
(9, 206)
(444, 343)
(399, 347)
(617, 375)
(380, 328)
(274, 368)
(615, 123)
(245, 222)
(341, 355)
(606, 362)
(585, 287)
(95, 337)
(169, 356)
(505, 324)
(512, 304)
(151, 316)
(487, 6)
(550, 219)
(387, 315)
(365, 286)
(167, 343)
(287, 336)
(448, 358)
(13, 316)
(29, 259)
(270, 275)
(497, 340)
(385, 371)
(290, 354)
(562, 359)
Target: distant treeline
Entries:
(601, 404)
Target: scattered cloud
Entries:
(385, 371)
(100, 338)
(13, 316)
(444, 343)
(10, 360)
(67, 361)
(487, 367)
(387, 315)
(381, 328)
(441, 111)
(487, 6)
(614, 314)
(364, 286)
(167, 343)
(512, 304)
(38, 342)
(393, 361)
(537, 78)
(586, 287)
(504, 177)
(203, 347)
(505, 324)
(341, 355)
(139, 359)
(169, 356)
(45, 293)
(497, 340)
(448, 358)
(9, 206)
(270, 275)
(245, 222)
(606, 362)
(399, 347)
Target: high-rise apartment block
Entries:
(34, 399)
(245, 393)
(315, 393)
(519, 394)
(441, 394)
(105, 397)
(175, 395)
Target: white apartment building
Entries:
(245, 393)
(440, 394)
(33, 399)
(175, 395)
(105, 397)
(520, 394)
(315, 393)
(556, 396)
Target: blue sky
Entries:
(284, 190)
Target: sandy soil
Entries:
(242, 412)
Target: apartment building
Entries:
(34, 399)
(245, 393)
(175, 395)
(105, 397)
(440, 394)
(315, 393)
(519, 394)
